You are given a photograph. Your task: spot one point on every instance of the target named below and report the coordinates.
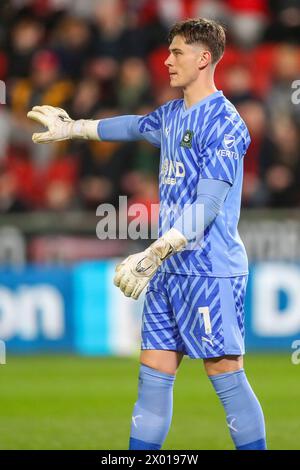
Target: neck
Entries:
(198, 90)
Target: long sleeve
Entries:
(198, 216)
(123, 128)
(132, 127)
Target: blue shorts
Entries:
(202, 317)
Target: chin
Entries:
(175, 85)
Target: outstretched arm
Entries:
(134, 273)
(61, 127)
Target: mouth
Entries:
(172, 74)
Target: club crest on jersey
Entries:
(187, 139)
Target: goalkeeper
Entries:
(196, 285)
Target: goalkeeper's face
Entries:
(185, 62)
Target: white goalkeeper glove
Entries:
(134, 273)
(61, 126)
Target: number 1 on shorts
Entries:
(206, 318)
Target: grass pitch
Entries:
(64, 402)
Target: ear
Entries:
(204, 60)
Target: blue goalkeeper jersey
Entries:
(206, 141)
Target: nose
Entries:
(168, 61)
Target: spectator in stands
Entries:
(249, 20)
(280, 165)
(254, 114)
(44, 85)
(72, 42)
(26, 36)
(101, 165)
(10, 200)
(133, 86)
(60, 196)
(238, 83)
(286, 21)
(286, 69)
(5, 132)
(88, 99)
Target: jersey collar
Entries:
(210, 97)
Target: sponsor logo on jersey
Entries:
(229, 140)
(171, 171)
(227, 153)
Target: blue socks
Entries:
(153, 410)
(243, 412)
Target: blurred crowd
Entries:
(101, 58)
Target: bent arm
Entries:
(211, 195)
(134, 273)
